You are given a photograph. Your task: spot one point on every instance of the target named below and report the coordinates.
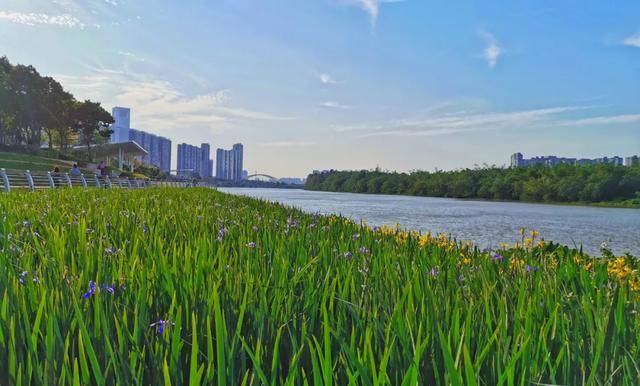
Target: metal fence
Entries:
(25, 179)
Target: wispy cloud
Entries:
(452, 123)
(327, 79)
(32, 19)
(159, 105)
(335, 105)
(633, 40)
(492, 50)
(371, 7)
(287, 144)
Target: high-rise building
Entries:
(193, 160)
(205, 158)
(632, 161)
(517, 160)
(229, 163)
(158, 148)
(121, 124)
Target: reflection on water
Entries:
(486, 223)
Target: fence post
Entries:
(5, 180)
(52, 184)
(97, 181)
(66, 176)
(84, 181)
(108, 181)
(29, 180)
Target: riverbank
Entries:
(194, 285)
(594, 185)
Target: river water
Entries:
(486, 223)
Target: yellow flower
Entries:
(516, 263)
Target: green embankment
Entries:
(31, 162)
(192, 286)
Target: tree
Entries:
(91, 122)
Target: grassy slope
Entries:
(31, 162)
(316, 300)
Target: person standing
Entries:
(102, 167)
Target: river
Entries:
(486, 223)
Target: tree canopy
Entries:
(562, 183)
(35, 107)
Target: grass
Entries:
(247, 292)
(31, 162)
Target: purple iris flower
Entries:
(160, 325)
(348, 255)
(497, 257)
(145, 229)
(22, 276)
(529, 268)
(355, 237)
(434, 272)
(92, 290)
(108, 288)
(251, 245)
(363, 250)
(108, 226)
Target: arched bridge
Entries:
(262, 177)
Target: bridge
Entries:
(262, 177)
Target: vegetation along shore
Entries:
(120, 286)
(600, 185)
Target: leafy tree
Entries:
(91, 122)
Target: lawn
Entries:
(193, 286)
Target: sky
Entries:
(350, 84)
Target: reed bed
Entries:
(192, 286)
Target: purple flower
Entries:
(529, 268)
(251, 245)
(221, 232)
(254, 228)
(355, 237)
(160, 325)
(348, 255)
(110, 289)
(434, 272)
(145, 229)
(497, 257)
(363, 250)
(92, 290)
(108, 226)
(110, 251)
(26, 224)
(22, 277)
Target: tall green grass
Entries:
(257, 293)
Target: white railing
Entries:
(25, 179)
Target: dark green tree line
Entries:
(562, 183)
(35, 107)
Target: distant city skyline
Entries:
(350, 84)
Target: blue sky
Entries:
(350, 84)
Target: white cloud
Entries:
(32, 19)
(335, 105)
(371, 7)
(633, 41)
(287, 144)
(158, 106)
(492, 51)
(602, 120)
(463, 121)
(326, 79)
